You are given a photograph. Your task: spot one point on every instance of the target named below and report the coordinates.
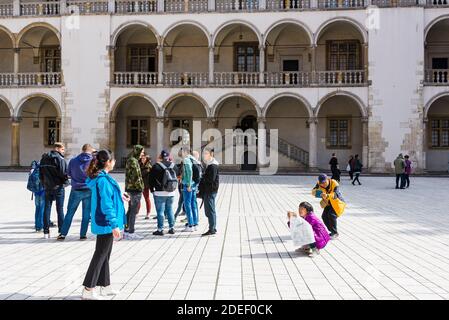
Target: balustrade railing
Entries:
(125, 7)
(340, 77)
(236, 5)
(6, 9)
(87, 7)
(438, 3)
(227, 79)
(185, 79)
(288, 79)
(35, 8)
(394, 3)
(39, 79)
(6, 79)
(135, 78)
(287, 4)
(340, 4)
(437, 76)
(186, 5)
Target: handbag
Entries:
(348, 167)
(337, 204)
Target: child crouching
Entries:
(319, 230)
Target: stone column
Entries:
(314, 76)
(365, 61)
(312, 122)
(15, 142)
(112, 135)
(111, 53)
(160, 64)
(262, 4)
(160, 133)
(160, 5)
(261, 64)
(63, 6)
(261, 142)
(16, 8)
(211, 5)
(425, 144)
(16, 65)
(365, 142)
(111, 6)
(211, 64)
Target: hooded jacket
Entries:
(77, 170)
(107, 208)
(211, 180)
(133, 180)
(155, 179)
(319, 230)
(399, 164)
(53, 170)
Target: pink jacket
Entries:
(319, 230)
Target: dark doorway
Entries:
(249, 158)
(290, 65)
(440, 63)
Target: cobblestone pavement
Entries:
(394, 244)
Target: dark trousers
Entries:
(209, 210)
(407, 180)
(330, 219)
(400, 177)
(356, 178)
(56, 195)
(351, 175)
(98, 272)
(133, 209)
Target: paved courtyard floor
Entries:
(394, 244)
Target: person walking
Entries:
(80, 192)
(133, 187)
(357, 169)
(163, 183)
(34, 185)
(108, 216)
(145, 168)
(333, 162)
(53, 175)
(328, 189)
(187, 188)
(350, 167)
(407, 170)
(399, 169)
(208, 189)
(197, 173)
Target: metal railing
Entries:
(126, 79)
(340, 4)
(288, 79)
(340, 77)
(290, 150)
(39, 79)
(236, 5)
(186, 5)
(88, 7)
(437, 76)
(276, 5)
(125, 7)
(34, 8)
(185, 79)
(227, 79)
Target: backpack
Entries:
(169, 179)
(197, 172)
(34, 183)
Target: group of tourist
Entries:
(354, 168)
(402, 169)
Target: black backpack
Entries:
(197, 172)
(169, 179)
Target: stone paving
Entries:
(394, 244)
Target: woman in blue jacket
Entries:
(107, 221)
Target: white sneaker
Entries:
(188, 229)
(90, 295)
(195, 228)
(46, 236)
(108, 291)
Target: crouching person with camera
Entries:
(208, 189)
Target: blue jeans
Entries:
(190, 205)
(209, 210)
(39, 203)
(56, 195)
(76, 196)
(164, 208)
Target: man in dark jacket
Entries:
(333, 162)
(53, 174)
(134, 187)
(208, 189)
(163, 200)
(80, 192)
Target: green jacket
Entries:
(399, 165)
(133, 179)
(187, 172)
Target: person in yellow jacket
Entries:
(331, 201)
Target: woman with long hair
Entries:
(107, 222)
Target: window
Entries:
(141, 58)
(181, 124)
(52, 131)
(440, 63)
(343, 55)
(51, 59)
(246, 57)
(138, 132)
(439, 135)
(338, 133)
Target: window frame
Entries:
(440, 130)
(47, 127)
(129, 128)
(42, 57)
(247, 44)
(358, 54)
(328, 130)
(139, 46)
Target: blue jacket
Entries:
(107, 208)
(77, 170)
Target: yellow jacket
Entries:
(333, 197)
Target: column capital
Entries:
(364, 119)
(312, 120)
(261, 47)
(16, 50)
(110, 48)
(15, 120)
(160, 119)
(112, 121)
(261, 120)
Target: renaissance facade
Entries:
(367, 77)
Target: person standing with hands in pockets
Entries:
(108, 216)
